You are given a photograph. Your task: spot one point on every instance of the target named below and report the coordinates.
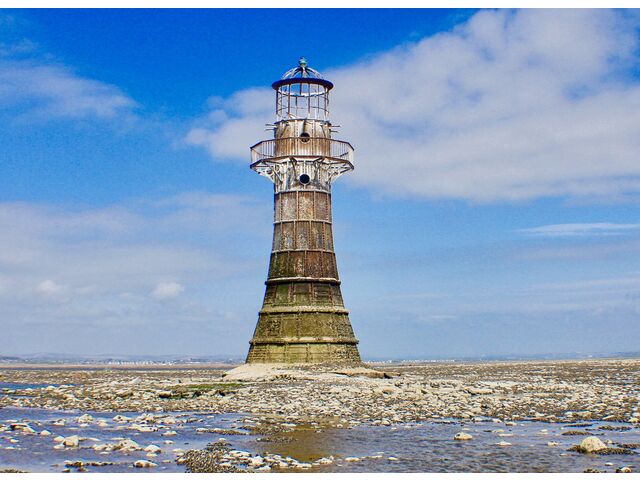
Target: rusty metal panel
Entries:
(305, 206)
(322, 206)
(314, 264)
(289, 206)
(297, 264)
(288, 238)
(328, 237)
(302, 235)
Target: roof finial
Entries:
(302, 62)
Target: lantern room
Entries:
(302, 94)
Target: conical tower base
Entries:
(303, 319)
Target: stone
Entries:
(45, 433)
(127, 445)
(144, 464)
(22, 427)
(462, 436)
(86, 418)
(121, 419)
(623, 470)
(503, 444)
(591, 444)
(72, 441)
(153, 449)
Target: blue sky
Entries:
(493, 209)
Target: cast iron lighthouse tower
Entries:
(303, 319)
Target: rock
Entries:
(22, 427)
(153, 449)
(591, 444)
(45, 433)
(121, 419)
(362, 372)
(503, 444)
(170, 433)
(552, 444)
(144, 464)
(352, 459)
(59, 439)
(102, 447)
(86, 418)
(388, 390)
(623, 470)
(478, 391)
(462, 436)
(72, 441)
(127, 445)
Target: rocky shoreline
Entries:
(276, 400)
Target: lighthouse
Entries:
(303, 318)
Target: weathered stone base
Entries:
(326, 353)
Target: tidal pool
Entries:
(418, 447)
(430, 447)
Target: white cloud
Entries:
(49, 288)
(53, 91)
(507, 106)
(164, 290)
(33, 86)
(581, 229)
(76, 272)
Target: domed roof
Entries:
(303, 73)
(303, 70)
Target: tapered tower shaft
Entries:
(303, 318)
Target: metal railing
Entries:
(302, 147)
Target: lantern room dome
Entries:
(303, 73)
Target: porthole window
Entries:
(305, 137)
(304, 179)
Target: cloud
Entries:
(33, 86)
(166, 290)
(508, 106)
(49, 288)
(582, 229)
(76, 273)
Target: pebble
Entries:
(462, 436)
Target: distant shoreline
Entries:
(147, 365)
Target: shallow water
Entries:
(420, 447)
(23, 386)
(429, 447)
(35, 453)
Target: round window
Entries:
(305, 137)
(304, 179)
